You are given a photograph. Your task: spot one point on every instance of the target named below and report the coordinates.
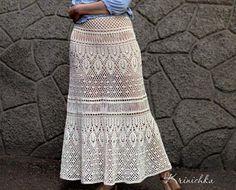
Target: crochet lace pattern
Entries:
(110, 134)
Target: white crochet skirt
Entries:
(110, 135)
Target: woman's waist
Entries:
(86, 17)
(104, 30)
(105, 23)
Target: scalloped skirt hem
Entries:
(117, 181)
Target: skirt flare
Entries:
(110, 134)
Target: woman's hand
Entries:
(74, 12)
(77, 10)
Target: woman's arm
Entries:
(77, 10)
(115, 7)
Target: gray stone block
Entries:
(2, 151)
(194, 117)
(144, 34)
(155, 10)
(226, 100)
(214, 49)
(52, 108)
(150, 65)
(50, 54)
(15, 89)
(61, 77)
(14, 23)
(189, 79)
(229, 153)
(171, 139)
(62, 8)
(224, 75)
(22, 61)
(178, 43)
(218, 18)
(8, 6)
(232, 23)
(219, 2)
(164, 96)
(21, 129)
(49, 7)
(50, 149)
(203, 145)
(26, 3)
(50, 27)
(5, 40)
(213, 162)
(176, 21)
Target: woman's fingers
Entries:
(74, 13)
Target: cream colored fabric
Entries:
(110, 134)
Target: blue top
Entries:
(115, 7)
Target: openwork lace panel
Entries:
(110, 134)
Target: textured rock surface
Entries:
(204, 145)
(146, 33)
(180, 42)
(171, 137)
(51, 107)
(15, 89)
(217, 19)
(188, 55)
(155, 10)
(14, 23)
(61, 77)
(229, 153)
(5, 40)
(48, 7)
(213, 162)
(214, 49)
(232, 22)
(50, 54)
(51, 149)
(194, 117)
(7, 6)
(51, 27)
(176, 21)
(2, 151)
(164, 96)
(150, 69)
(23, 60)
(21, 130)
(226, 100)
(189, 79)
(225, 75)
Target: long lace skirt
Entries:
(110, 135)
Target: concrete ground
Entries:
(27, 173)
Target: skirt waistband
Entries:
(107, 23)
(104, 30)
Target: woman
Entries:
(110, 134)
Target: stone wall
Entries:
(189, 66)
